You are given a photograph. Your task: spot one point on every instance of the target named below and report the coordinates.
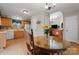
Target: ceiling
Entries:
(14, 9)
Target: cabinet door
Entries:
(18, 34)
(0, 20)
(2, 40)
(6, 22)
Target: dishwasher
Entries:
(10, 34)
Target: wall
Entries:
(38, 29)
(76, 14)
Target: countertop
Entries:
(2, 31)
(11, 30)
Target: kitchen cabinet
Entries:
(18, 34)
(2, 39)
(0, 17)
(6, 21)
(0, 20)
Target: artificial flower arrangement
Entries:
(47, 29)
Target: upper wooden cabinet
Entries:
(6, 21)
(0, 20)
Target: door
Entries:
(71, 29)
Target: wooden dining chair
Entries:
(32, 48)
(29, 42)
(40, 51)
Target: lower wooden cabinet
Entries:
(18, 34)
(3, 40)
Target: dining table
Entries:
(43, 44)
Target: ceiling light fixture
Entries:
(49, 6)
(25, 11)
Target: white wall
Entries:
(38, 29)
(77, 29)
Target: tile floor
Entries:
(18, 47)
(15, 47)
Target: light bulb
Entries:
(25, 11)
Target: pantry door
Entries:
(71, 29)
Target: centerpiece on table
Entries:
(47, 30)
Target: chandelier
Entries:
(49, 6)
